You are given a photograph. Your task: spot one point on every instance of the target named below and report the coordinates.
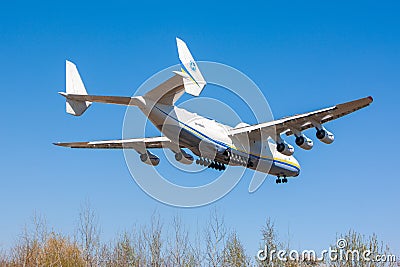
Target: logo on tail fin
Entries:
(192, 65)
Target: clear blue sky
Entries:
(303, 55)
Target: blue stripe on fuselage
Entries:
(223, 144)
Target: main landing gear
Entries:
(279, 180)
(211, 164)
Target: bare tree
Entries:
(39, 247)
(179, 253)
(141, 248)
(124, 251)
(153, 242)
(234, 252)
(196, 253)
(60, 251)
(215, 239)
(4, 258)
(355, 245)
(106, 257)
(270, 242)
(89, 235)
(144, 246)
(29, 249)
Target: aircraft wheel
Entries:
(244, 163)
(143, 157)
(178, 156)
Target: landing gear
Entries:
(210, 164)
(221, 166)
(279, 180)
(178, 156)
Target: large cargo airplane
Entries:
(216, 145)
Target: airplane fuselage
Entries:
(209, 139)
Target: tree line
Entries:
(214, 245)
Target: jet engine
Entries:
(325, 136)
(285, 148)
(184, 157)
(304, 142)
(150, 158)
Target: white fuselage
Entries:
(209, 139)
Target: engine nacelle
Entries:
(184, 157)
(150, 159)
(304, 142)
(285, 148)
(325, 136)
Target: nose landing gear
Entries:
(279, 180)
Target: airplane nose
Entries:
(297, 172)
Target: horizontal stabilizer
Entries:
(139, 144)
(118, 100)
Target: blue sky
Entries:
(303, 55)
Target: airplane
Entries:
(216, 145)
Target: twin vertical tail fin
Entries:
(74, 86)
(78, 101)
(193, 80)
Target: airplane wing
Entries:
(139, 144)
(304, 121)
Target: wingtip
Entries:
(59, 144)
(371, 98)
